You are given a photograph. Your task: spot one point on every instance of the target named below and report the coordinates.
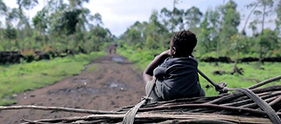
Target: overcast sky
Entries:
(118, 15)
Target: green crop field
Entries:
(254, 72)
(21, 77)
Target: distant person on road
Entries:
(112, 49)
(173, 73)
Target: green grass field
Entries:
(18, 78)
(253, 72)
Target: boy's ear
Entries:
(174, 50)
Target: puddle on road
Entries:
(84, 81)
(115, 85)
(77, 90)
(118, 59)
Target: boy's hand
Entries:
(166, 53)
(148, 72)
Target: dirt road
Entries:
(112, 85)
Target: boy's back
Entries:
(174, 70)
(177, 78)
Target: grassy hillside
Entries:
(18, 78)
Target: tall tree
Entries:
(214, 26)
(230, 22)
(77, 4)
(26, 4)
(134, 34)
(154, 33)
(97, 18)
(264, 8)
(3, 8)
(40, 21)
(23, 19)
(278, 19)
(266, 43)
(204, 36)
(253, 5)
(238, 44)
(3, 11)
(173, 20)
(12, 15)
(193, 17)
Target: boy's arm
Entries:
(148, 72)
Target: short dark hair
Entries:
(184, 41)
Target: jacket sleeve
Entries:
(160, 72)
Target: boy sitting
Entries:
(174, 71)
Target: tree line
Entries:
(216, 29)
(61, 26)
(58, 26)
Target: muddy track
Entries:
(112, 85)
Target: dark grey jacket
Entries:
(177, 78)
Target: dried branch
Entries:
(32, 122)
(265, 82)
(163, 117)
(254, 105)
(87, 111)
(276, 101)
(239, 94)
(246, 100)
(210, 106)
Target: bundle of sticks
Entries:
(229, 108)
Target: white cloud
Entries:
(119, 15)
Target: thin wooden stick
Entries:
(32, 122)
(264, 93)
(239, 94)
(89, 122)
(265, 82)
(253, 105)
(154, 117)
(272, 103)
(246, 101)
(212, 106)
(89, 117)
(226, 98)
(87, 111)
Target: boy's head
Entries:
(183, 43)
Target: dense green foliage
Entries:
(216, 30)
(57, 27)
(39, 74)
(70, 26)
